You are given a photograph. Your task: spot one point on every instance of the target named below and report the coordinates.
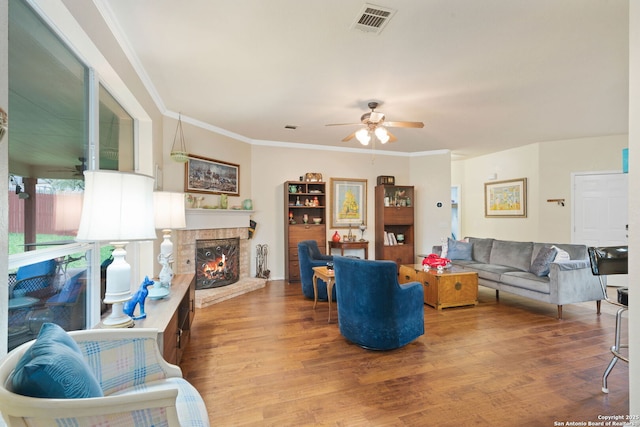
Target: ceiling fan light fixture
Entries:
(382, 134)
(363, 136)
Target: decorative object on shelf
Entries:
(305, 218)
(386, 180)
(293, 188)
(247, 204)
(179, 154)
(117, 208)
(203, 175)
(224, 201)
(168, 208)
(157, 291)
(317, 220)
(362, 228)
(194, 202)
(313, 177)
(336, 237)
(138, 299)
(506, 198)
(348, 202)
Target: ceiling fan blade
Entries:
(392, 137)
(349, 138)
(343, 124)
(404, 124)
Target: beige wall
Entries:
(548, 167)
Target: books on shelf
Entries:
(390, 239)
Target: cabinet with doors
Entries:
(394, 225)
(304, 219)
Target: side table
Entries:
(328, 276)
(342, 245)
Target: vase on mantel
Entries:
(224, 201)
(336, 237)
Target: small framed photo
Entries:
(203, 175)
(506, 198)
(348, 202)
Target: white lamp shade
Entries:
(117, 207)
(168, 209)
(382, 134)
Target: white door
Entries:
(600, 212)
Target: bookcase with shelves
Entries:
(303, 201)
(394, 224)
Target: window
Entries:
(50, 276)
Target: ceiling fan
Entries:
(375, 125)
(77, 169)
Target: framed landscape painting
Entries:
(506, 198)
(348, 202)
(203, 175)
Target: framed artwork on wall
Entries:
(506, 198)
(203, 175)
(348, 202)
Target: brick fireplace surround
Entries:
(206, 224)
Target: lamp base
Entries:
(117, 318)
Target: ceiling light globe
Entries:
(363, 136)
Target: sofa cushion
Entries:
(459, 250)
(561, 255)
(481, 249)
(541, 264)
(525, 280)
(491, 272)
(512, 254)
(53, 367)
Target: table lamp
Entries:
(169, 214)
(117, 208)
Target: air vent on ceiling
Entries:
(372, 18)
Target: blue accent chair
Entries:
(309, 256)
(374, 311)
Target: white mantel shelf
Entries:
(217, 218)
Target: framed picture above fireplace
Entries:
(203, 175)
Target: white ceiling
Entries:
(483, 75)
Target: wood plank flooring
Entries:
(267, 358)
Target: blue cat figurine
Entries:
(138, 298)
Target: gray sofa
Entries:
(505, 266)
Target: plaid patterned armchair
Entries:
(140, 388)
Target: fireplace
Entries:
(217, 262)
(207, 225)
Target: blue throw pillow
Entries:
(54, 368)
(542, 264)
(459, 250)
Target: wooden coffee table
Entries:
(323, 273)
(453, 287)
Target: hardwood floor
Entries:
(268, 358)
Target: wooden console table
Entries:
(172, 317)
(342, 245)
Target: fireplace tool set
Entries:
(261, 262)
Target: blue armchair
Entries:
(374, 311)
(309, 256)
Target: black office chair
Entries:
(606, 261)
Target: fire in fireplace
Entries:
(217, 262)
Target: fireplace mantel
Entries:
(198, 219)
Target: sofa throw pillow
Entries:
(561, 255)
(54, 368)
(459, 250)
(445, 246)
(541, 265)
